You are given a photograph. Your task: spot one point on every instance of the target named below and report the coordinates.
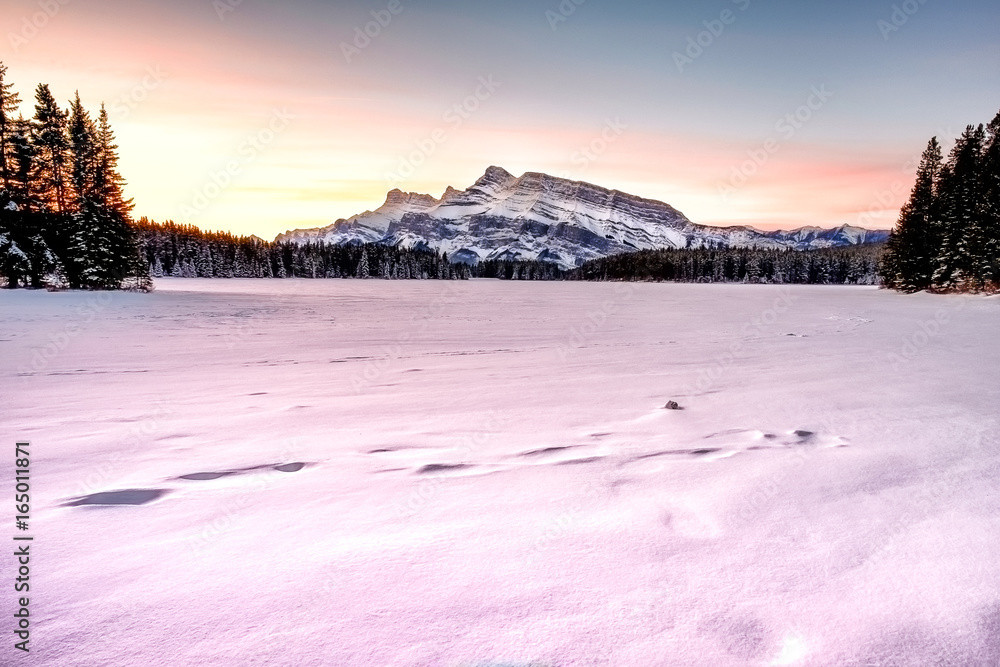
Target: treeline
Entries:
(947, 237)
(64, 220)
(850, 265)
(518, 270)
(184, 251)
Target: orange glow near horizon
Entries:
(213, 134)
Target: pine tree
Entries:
(960, 213)
(203, 261)
(14, 265)
(109, 184)
(753, 269)
(82, 251)
(9, 102)
(22, 166)
(92, 259)
(52, 148)
(991, 205)
(83, 151)
(913, 245)
(363, 271)
(24, 254)
(973, 247)
(108, 180)
(111, 236)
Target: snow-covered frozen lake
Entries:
(490, 477)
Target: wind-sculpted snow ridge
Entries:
(550, 219)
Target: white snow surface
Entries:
(491, 479)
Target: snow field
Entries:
(482, 473)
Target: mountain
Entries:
(551, 219)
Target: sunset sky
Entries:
(257, 117)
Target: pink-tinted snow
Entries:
(490, 476)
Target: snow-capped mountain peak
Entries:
(541, 217)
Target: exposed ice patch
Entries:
(431, 468)
(205, 476)
(123, 497)
(218, 474)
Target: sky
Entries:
(257, 117)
